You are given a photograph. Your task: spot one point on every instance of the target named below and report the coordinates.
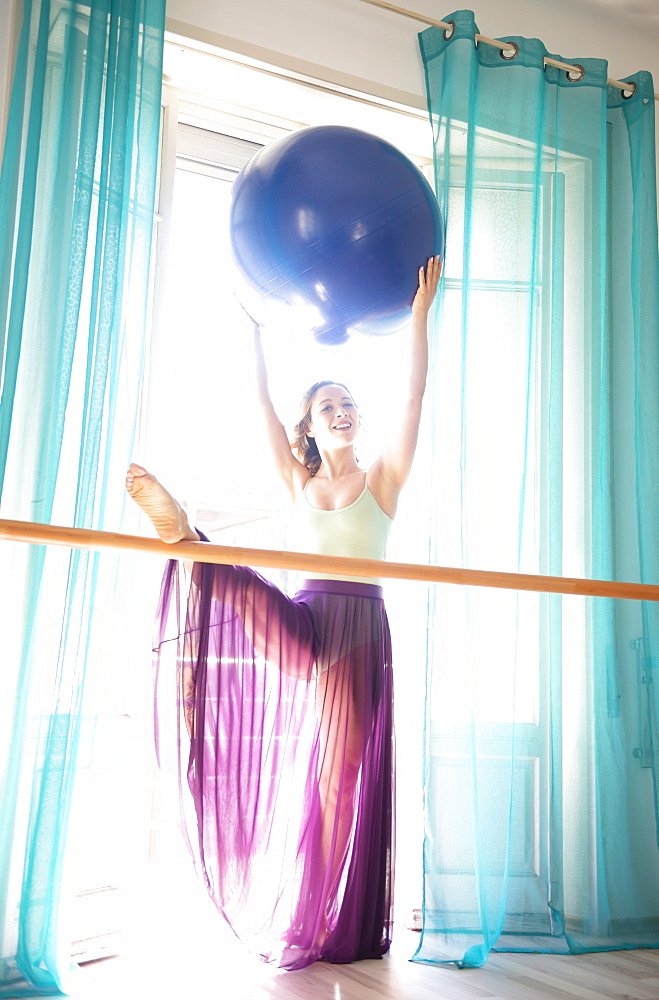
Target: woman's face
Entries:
(334, 417)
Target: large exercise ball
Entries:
(336, 222)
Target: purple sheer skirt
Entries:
(285, 737)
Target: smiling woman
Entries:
(338, 397)
(296, 831)
(221, 471)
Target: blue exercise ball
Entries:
(338, 221)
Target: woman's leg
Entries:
(354, 773)
(280, 631)
(165, 513)
(341, 701)
(274, 627)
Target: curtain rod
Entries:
(84, 538)
(577, 71)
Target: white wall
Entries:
(351, 42)
(350, 39)
(10, 21)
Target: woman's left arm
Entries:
(389, 473)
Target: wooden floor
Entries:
(174, 944)
(227, 974)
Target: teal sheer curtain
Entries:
(541, 738)
(77, 195)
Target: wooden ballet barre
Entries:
(84, 538)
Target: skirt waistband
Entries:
(347, 587)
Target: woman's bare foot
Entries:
(167, 516)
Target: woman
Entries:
(288, 701)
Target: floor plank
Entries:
(231, 975)
(177, 946)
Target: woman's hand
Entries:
(428, 281)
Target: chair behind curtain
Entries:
(541, 820)
(76, 222)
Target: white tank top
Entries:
(359, 530)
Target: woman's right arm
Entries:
(291, 471)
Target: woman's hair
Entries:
(306, 447)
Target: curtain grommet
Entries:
(507, 54)
(572, 76)
(629, 91)
(448, 34)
